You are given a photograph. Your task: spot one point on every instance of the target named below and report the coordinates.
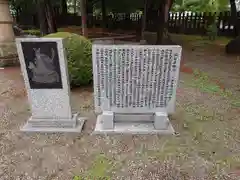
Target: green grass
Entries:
(202, 81)
(204, 136)
(194, 38)
(204, 133)
(100, 167)
(200, 41)
(236, 103)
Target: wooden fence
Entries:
(184, 23)
(198, 23)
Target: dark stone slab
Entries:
(42, 65)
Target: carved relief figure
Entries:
(43, 68)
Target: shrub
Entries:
(79, 56)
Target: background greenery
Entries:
(79, 57)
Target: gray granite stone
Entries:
(44, 68)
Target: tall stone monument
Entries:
(44, 67)
(8, 52)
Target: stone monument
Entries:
(44, 67)
(135, 87)
(8, 52)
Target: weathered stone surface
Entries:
(233, 46)
(9, 61)
(8, 54)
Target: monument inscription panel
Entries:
(135, 87)
(42, 65)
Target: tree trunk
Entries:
(161, 22)
(163, 13)
(84, 17)
(42, 18)
(64, 10)
(18, 10)
(234, 17)
(144, 17)
(104, 14)
(52, 28)
(89, 6)
(89, 9)
(75, 7)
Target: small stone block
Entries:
(54, 126)
(161, 120)
(107, 120)
(131, 128)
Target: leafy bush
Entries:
(79, 56)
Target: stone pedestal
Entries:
(8, 52)
(110, 123)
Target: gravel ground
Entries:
(206, 146)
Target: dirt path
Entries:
(224, 68)
(207, 143)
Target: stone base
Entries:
(9, 61)
(8, 54)
(52, 125)
(131, 128)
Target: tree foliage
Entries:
(22, 6)
(201, 5)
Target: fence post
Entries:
(179, 22)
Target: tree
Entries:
(46, 17)
(104, 14)
(201, 5)
(158, 11)
(52, 27)
(234, 16)
(75, 6)
(64, 10)
(144, 18)
(21, 9)
(84, 17)
(42, 18)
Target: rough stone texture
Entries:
(233, 46)
(8, 55)
(7, 45)
(9, 61)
